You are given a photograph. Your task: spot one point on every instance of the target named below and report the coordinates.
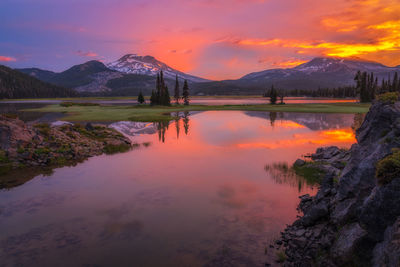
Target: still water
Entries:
(205, 190)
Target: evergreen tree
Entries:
(140, 98)
(176, 91)
(395, 84)
(273, 97)
(165, 98)
(161, 95)
(185, 93)
(153, 98)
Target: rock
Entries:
(387, 253)
(60, 123)
(349, 199)
(299, 163)
(348, 239)
(324, 153)
(315, 213)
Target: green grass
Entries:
(310, 171)
(388, 168)
(148, 113)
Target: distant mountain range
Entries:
(133, 73)
(14, 84)
(317, 73)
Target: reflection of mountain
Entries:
(313, 121)
(132, 128)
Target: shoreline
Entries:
(42, 147)
(146, 113)
(354, 219)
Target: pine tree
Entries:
(153, 98)
(140, 98)
(395, 84)
(273, 97)
(165, 100)
(185, 93)
(176, 91)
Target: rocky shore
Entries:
(354, 219)
(43, 145)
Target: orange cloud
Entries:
(86, 54)
(7, 59)
(289, 63)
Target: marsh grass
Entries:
(162, 113)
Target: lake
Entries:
(209, 189)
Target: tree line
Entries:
(366, 88)
(160, 96)
(15, 84)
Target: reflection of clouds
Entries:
(32, 205)
(37, 246)
(122, 230)
(345, 136)
(235, 196)
(116, 213)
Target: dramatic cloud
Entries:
(86, 54)
(6, 59)
(217, 39)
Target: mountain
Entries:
(91, 76)
(125, 77)
(317, 73)
(148, 65)
(14, 84)
(132, 74)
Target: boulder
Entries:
(348, 240)
(299, 163)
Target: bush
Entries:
(44, 128)
(390, 97)
(113, 149)
(388, 168)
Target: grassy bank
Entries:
(109, 98)
(160, 113)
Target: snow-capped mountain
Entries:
(148, 65)
(318, 72)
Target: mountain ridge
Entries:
(132, 73)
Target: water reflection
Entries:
(162, 126)
(282, 173)
(197, 195)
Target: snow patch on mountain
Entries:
(148, 65)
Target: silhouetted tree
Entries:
(176, 91)
(186, 122)
(273, 96)
(161, 95)
(140, 98)
(185, 93)
(177, 124)
(272, 118)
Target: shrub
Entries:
(44, 128)
(281, 256)
(11, 115)
(388, 168)
(113, 149)
(390, 97)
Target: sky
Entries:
(214, 39)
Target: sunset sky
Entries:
(215, 39)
